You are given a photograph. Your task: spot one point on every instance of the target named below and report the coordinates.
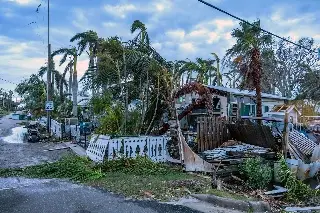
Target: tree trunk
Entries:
(52, 80)
(156, 108)
(256, 74)
(70, 82)
(75, 89)
(91, 66)
(61, 85)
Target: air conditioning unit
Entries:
(71, 121)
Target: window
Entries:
(266, 108)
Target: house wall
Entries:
(249, 104)
(185, 100)
(294, 115)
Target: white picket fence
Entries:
(101, 147)
(56, 128)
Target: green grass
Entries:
(159, 187)
(70, 166)
(137, 178)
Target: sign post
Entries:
(49, 106)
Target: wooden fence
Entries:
(258, 135)
(211, 133)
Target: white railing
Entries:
(102, 147)
(56, 128)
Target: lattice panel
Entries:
(106, 148)
(96, 149)
(304, 144)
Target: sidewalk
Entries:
(76, 149)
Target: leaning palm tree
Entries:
(71, 52)
(250, 41)
(142, 37)
(90, 40)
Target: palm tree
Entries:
(203, 68)
(58, 80)
(142, 37)
(218, 74)
(247, 51)
(71, 52)
(90, 40)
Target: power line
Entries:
(242, 20)
(8, 81)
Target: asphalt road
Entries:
(18, 154)
(20, 195)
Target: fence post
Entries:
(285, 136)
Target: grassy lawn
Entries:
(159, 187)
(137, 178)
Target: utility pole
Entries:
(126, 91)
(49, 71)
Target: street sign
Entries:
(319, 53)
(49, 105)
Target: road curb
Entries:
(245, 206)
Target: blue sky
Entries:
(178, 29)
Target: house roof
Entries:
(247, 92)
(286, 108)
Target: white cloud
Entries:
(120, 10)
(187, 47)
(155, 8)
(177, 34)
(23, 2)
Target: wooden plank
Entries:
(198, 135)
(214, 129)
(220, 141)
(211, 126)
(204, 127)
(202, 135)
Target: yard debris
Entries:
(302, 209)
(278, 191)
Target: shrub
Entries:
(258, 174)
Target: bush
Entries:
(136, 166)
(258, 174)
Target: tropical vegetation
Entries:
(133, 86)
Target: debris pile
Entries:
(227, 158)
